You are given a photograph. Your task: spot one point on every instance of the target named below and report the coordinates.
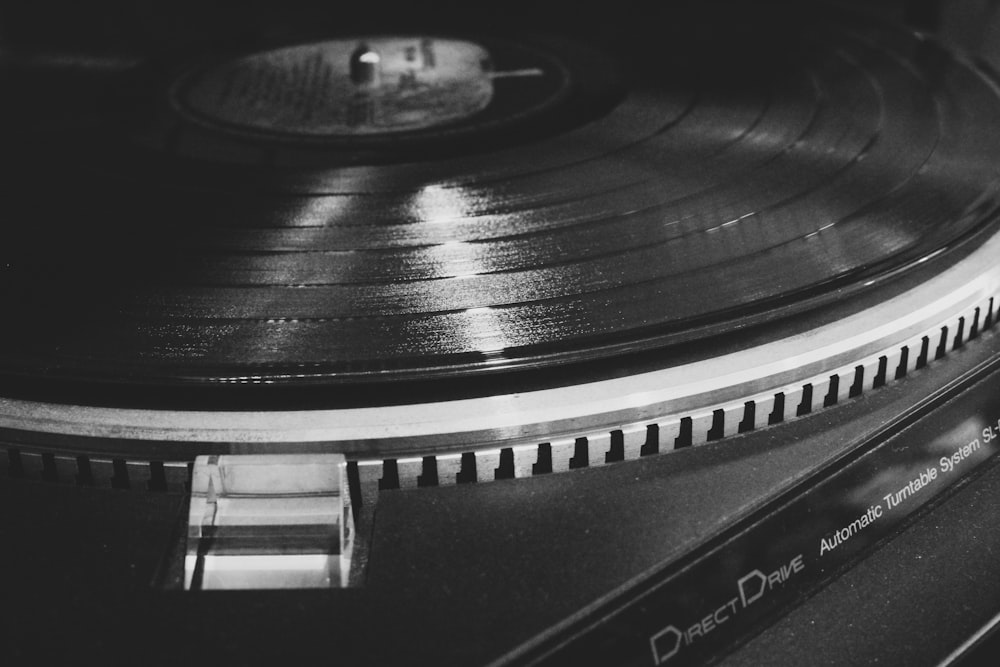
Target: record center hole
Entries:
(363, 66)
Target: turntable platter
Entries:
(662, 191)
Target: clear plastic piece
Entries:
(269, 521)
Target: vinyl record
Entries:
(341, 209)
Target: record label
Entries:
(346, 87)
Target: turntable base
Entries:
(92, 558)
(670, 341)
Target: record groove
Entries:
(783, 171)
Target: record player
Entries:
(500, 336)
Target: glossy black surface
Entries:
(755, 167)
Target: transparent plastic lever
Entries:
(269, 521)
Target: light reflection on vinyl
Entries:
(571, 218)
